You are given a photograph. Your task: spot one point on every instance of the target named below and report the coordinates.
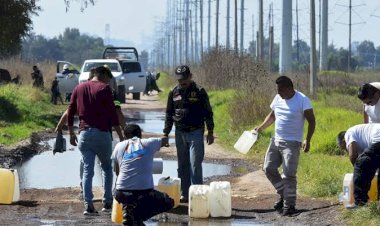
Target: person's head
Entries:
(368, 94)
(285, 87)
(35, 68)
(183, 75)
(340, 141)
(132, 130)
(103, 74)
(65, 67)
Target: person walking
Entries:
(133, 165)
(363, 145)
(188, 107)
(55, 93)
(290, 108)
(92, 102)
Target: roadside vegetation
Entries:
(241, 91)
(25, 110)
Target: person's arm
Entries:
(269, 120)
(61, 122)
(119, 132)
(164, 141)
(365, 115)
(169, 114)
(310, 118)
(353, 152)
(208, 116)
(70, 117)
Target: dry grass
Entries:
(16, 66)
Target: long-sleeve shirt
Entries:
(188, 109)
(92, 102)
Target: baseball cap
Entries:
(182, 72)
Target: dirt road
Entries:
(252, 194)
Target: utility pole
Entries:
(286, 37)
(180, 43)
(191, 38)
(242, 27)
(201, 19)
(236, 29)
(349, 37)
(217, 25)
(175, 15)
(261, 32)
(253, 35)
(209, 26)
(324, 35)
(228, 26)
(313, 58)
(187, 11)
(271, 40)
(349, 31)
(297, 33)
(196, 32)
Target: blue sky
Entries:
(138, 21)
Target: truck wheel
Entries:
(136, 96)
(120, 94)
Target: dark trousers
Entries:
(364, 170)
(140, 205)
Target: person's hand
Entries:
(210, 138)
(58, 129)
(73, 139)
(306, 146)
(165, 141)
(257, 129)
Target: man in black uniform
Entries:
(188, 107)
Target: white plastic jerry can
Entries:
(172, 187)
(199, 206)
(220, 199)
(246, 141)
(348, 190)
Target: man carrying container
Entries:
(363, 145)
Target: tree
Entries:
(39, 48)
(366, 53)
(15, 23)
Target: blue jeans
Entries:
(190, 154)
(93, 142)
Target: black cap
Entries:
(182, 72)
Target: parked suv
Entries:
(134, 77)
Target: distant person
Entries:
(188, 107)
(92, 102)
(290, 108)
(55, 93)
(369, 94)
(5, 76)
(37, 77)
(66, 69)
(363, 145)
(151, 83)
(16, 80)
(133, 165)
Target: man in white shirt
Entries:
(369, 94)
(363, 145)
(290, 108)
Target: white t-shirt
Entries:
(135, 172)
(364, 135)
(373, 112)
(289, 115)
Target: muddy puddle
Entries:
(46, 171)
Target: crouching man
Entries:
(133, 165)
(363, 145)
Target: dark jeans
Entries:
(364, 170)
(140, 205)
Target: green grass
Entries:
(368, 215)
(25, 110)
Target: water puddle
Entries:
(149, 121)
(46, 171)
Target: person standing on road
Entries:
(92, 102)
(290, 108)
(188, 107)
(133, 165)
(363, 145)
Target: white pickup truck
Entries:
(133, 79)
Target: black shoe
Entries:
(90, 210)
(279, 205)
(289, 211)
(107, 208)
(183, 199)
